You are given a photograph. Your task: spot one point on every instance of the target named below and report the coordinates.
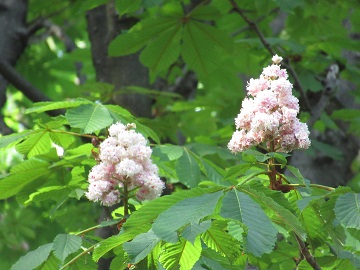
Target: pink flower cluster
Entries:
(268, 114)
(124, 164)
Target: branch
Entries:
(30, 91)
(306, 253)
(268, 47)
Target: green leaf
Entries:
(258, 155)
(237, 170)
(48, 193)
(220, 241)
(184, 212)
(141, 246)
(198, 49)
(172, 152)
(183, 253)
(140, 35)
(110, 243)
(261, 235)
(192, 230)
(163, 51)
(89, 117)
(346, 114)
(328, 150)
(37, 144)
(284, 215)
(187, 169)
(56, 105)
(21, 175)
(65, 244)
(141, 220)
(347, 210)
(299, 177)
(13, 139)
(126, 6)
(34, 258)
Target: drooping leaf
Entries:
(283, 214)
(37, 144)
(140, 35)
(183, 254)
(163, 51)
(21, 175)
(347, 210)
(261, 235)
(65, 244)
(187, 169)
(141, 246)
(34, 258)
(55, 105)
(13, 139)
(184, 212)
(89, 117)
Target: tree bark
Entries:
(104, 25)
(13, 41)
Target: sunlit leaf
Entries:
(56, 105)
(89, 117)
(37, 144)
(220, 241)
(183, 254)
(184, 212)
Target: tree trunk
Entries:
(13, 41)
(104, 25)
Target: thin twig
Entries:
(306, 253)
(268, 47)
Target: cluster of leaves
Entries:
(228, 219)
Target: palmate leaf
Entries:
(21, 175)
(347, 210)
(183, 253)
(141, 246)
(140, 35)
(187, 169)
(286, 217)
(13, 139)
(163, 51)
(34, 258)
(89, 117)
(168, 152)
(141, 220)
(261, 235)
(184, 212)
(37, 144)
(65, 244)
(203, 47)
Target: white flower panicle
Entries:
(124, 160)
(269, 114)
